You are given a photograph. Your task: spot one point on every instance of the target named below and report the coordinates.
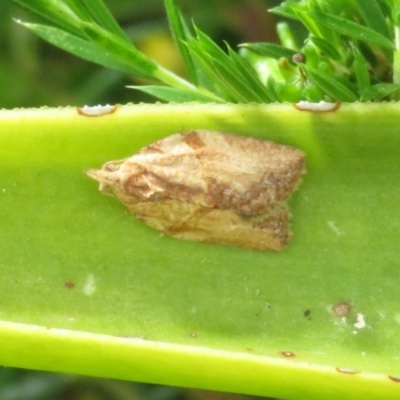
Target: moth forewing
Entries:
(210, 186)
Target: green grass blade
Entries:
(104, 17)
(179, 34)
(234, 82)
(174, 95)
(286, 36)
(361, 69)
(374, 17)
(270, 50)
(272, 89)
(250, 76)
(48, 12)
(228, 73)
(79, 9)
(209, 77)
(90, 51)
(379, 91)
(330, 85)
(317, 29)
(285, 9)
(206, 63)
(209, 47)
(326, 47)
(352, 29)
(223, 72)
(120, 49)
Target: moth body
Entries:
(210, 186)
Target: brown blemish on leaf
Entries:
(341, 309)
(320, 107)
(69, 285)
(306, 313)
(394, 378)
(288, 354)
(210, 186)
(348, 371)
(96, 111)
(194, 335)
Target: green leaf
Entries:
(208, 46)
(361, 69)
(352, 29)
(235, 84)
(120, 49)
(220, 68)
(374, 17)
(326, 47)
(103, 16)
(250, 76)
(78, 8)
(330, 85)
(270, 50)
(179, 33)
(174, 95)
(378, 91)
(234, 75)
(206, 65)
(285, 9)
(272, 89)
(87, 288)
(286, 36)
(46, 10)
(93, 52)
(315, 28)
(225, 74)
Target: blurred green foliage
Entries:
(34, 73)
(19, 384)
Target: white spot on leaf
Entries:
(334, 228)
(360, 323)
(322, 106)
(96, 111)
(90, 285)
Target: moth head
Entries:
(105, 177)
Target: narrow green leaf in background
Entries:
(178, 31)
(90, 51)
(174, 95)
(259, 91)
(327, 48)
(361, 69)
(372, 14)
(270, 50)
(103, 17)
(59, 15)
(379, 90)
(329, 84)
(77, 8)
(352, 29)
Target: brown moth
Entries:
(210, 186)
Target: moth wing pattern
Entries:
(210, 186)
